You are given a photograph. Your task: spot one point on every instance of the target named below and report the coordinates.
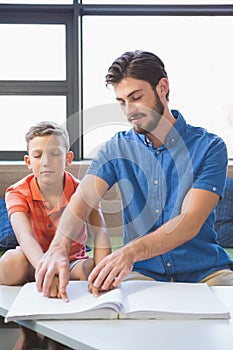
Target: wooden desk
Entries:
(135, 334)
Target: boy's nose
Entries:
(45, 159)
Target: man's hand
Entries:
(110, 271)
(54, 263)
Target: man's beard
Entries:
(156, 113)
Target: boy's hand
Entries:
(96, 291)
(54, 289)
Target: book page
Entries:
(30, 304)
(145, 299)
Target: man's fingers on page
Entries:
(63, 282)
(100, 279)
(95, 272)
(119, 278)
(111, 277)
(47, 282)
(64, 296)
(39, 277)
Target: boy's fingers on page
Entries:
(54, 292)
(95, 291)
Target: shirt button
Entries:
(172, 140)
(157, 152)
(157, 211)
(214, 189)
(49, 225)
(156, 182)
(168, 264)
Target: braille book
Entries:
(131, 300)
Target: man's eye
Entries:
(37, 156)
(136, 98)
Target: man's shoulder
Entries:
(125, 134)
(204, 134)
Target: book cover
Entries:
(132, 299)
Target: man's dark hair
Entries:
(138, 65)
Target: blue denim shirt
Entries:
(153, 183)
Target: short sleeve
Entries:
(102, 165)
(16, 201)
(212, 172)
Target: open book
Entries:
(133, 299)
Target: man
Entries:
(170, 174)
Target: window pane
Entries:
(159, 2)
(199, 65)
(32, 52)
(46, 2)
(18, 113)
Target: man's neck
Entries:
(158, 136)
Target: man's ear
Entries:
(162, 89)
(69, 158)
(27, 161)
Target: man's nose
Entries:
(130, 108)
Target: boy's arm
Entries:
(98, 231)
(25, 237)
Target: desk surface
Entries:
(135, 334)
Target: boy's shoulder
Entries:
(71, 182)
(23, 184)
(71, 178)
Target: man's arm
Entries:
(56, 260)
(197, 206)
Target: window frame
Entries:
(71, 16)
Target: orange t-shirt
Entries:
(25, 196)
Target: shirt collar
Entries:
(69, 189)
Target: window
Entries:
(198, 60)
(32, 52)
(55, 55)
(20, 112)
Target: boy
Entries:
(35, 205)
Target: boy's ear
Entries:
(69, 158)
(27, 161)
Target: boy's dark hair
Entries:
(47, 128)
(139, 65)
